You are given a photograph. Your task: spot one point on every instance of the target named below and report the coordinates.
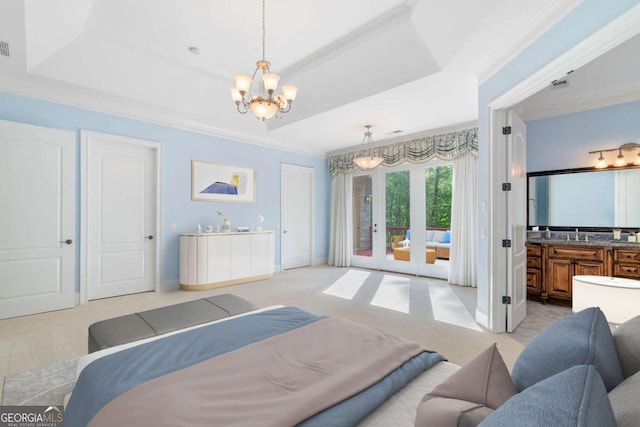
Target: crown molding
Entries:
(542, 22)
(89, 99)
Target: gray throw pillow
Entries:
(627, 339)
(444, 412)
(583, 338)
(575, 397)
(484, 380)
(625, 402)
(469, 395)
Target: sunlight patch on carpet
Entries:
(448, 308)
(393, 293)
(348, 284)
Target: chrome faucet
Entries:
(577, 235)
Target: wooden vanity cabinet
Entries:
(564, 262)
(559, 263)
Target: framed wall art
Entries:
(216, 182)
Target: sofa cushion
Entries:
(574, 397)
(583, 338)
(429, 235)
(470, 394)
(438, 236)
(624, 401)
(627, 339)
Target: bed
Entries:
(276, 366)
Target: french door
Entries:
(389, 210)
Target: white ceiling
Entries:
(610, 79)
(409, 65)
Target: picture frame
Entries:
(217, 182)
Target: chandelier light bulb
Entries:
(243, 83)
(270, 81)
(263, 109)
(601, 162)
(289, 92)
(620, 160)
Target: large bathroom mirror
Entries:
(587, 198)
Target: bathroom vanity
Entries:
(552, 263)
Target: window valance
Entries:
(445, 146)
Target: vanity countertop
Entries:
(572, 242)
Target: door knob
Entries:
(150, 237)
(68, 241)
(284, 231)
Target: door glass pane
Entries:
(362, 216)
(398, 208)
(438, 189)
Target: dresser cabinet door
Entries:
(240, 256)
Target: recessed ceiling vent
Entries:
(559, 84)
(4, 48)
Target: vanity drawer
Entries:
(534, 263)
(626, 255)
(572, 252)
(629, 271)
(534, 250)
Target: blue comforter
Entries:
(106, 378)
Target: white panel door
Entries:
(121, 215)
(37, 219)
(517, 221)
(297, 209)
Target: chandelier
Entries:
(268, 103)
(368, 160)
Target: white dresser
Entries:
(211, 260)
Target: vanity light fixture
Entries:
(620, 159)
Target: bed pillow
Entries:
(447, 237)
(575, 397)
(627, 339)
(470, 394)
(583, 338)
(624, 401)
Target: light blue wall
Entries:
(179, 148)
(588, 17)
(564, 142)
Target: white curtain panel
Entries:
(464, 221)
(340, 233)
